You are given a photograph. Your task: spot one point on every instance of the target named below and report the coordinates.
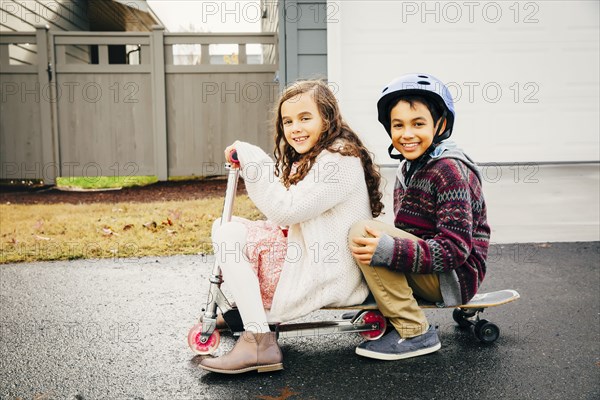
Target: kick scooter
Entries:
(204, 338)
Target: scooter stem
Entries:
(216, 299)
(232, 181)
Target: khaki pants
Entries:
(393, 291)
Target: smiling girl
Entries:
(323, 181)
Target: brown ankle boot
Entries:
(252, 352)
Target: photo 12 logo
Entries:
(54, 11)
(90, 171)
(453, 12)
(489, 92)
(70, 92)
(232, 11)
(254, 12)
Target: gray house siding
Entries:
(303, 39)
(72, 16)
(270, 23)
(59, 15)
(63, 15)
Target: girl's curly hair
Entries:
(335, 132)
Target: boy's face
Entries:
(412, 129)
(302, 122)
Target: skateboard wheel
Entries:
(372, 317)
(203, 348)
(462, 318)
(486, 331)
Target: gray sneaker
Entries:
(393, 347)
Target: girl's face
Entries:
(302, 122)
(412, 129)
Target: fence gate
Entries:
(121, 104)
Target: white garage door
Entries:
(525, 74)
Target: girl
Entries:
(323, 180)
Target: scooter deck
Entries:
(480, 300)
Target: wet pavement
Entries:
(116, 329)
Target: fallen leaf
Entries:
(108, 231)
(285, 394)
(41, 396)
(13, 241)
(171, 232)
(127, 227)
(150, 225)
(38, 237)
(168, 222)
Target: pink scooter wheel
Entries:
(371, 317)
(203, 348)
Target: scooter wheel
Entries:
(372, 317)
(203, 348)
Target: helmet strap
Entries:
(394, 156)
(416, 165)
(438, 138)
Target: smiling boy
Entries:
(437, 249)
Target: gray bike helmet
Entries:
(420, 84)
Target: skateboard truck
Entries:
(484, 330)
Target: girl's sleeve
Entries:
(452, 244)
(330, 181)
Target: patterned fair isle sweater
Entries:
(443, 205)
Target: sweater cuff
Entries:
(384, 252)
(249, 153)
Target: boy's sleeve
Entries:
(449, 248)
(384, 253)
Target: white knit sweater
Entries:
(319, 270)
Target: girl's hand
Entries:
(363, 253)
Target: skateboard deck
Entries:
(480, 300)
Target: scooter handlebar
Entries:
(232, 157)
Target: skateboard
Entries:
(465, 315)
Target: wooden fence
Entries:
(143, 114)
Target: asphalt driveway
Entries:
(116, 329)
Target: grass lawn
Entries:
(72, 231)
(104, 182)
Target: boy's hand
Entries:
(367, 245)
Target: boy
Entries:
(438, 247)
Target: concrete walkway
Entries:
(536, 203)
